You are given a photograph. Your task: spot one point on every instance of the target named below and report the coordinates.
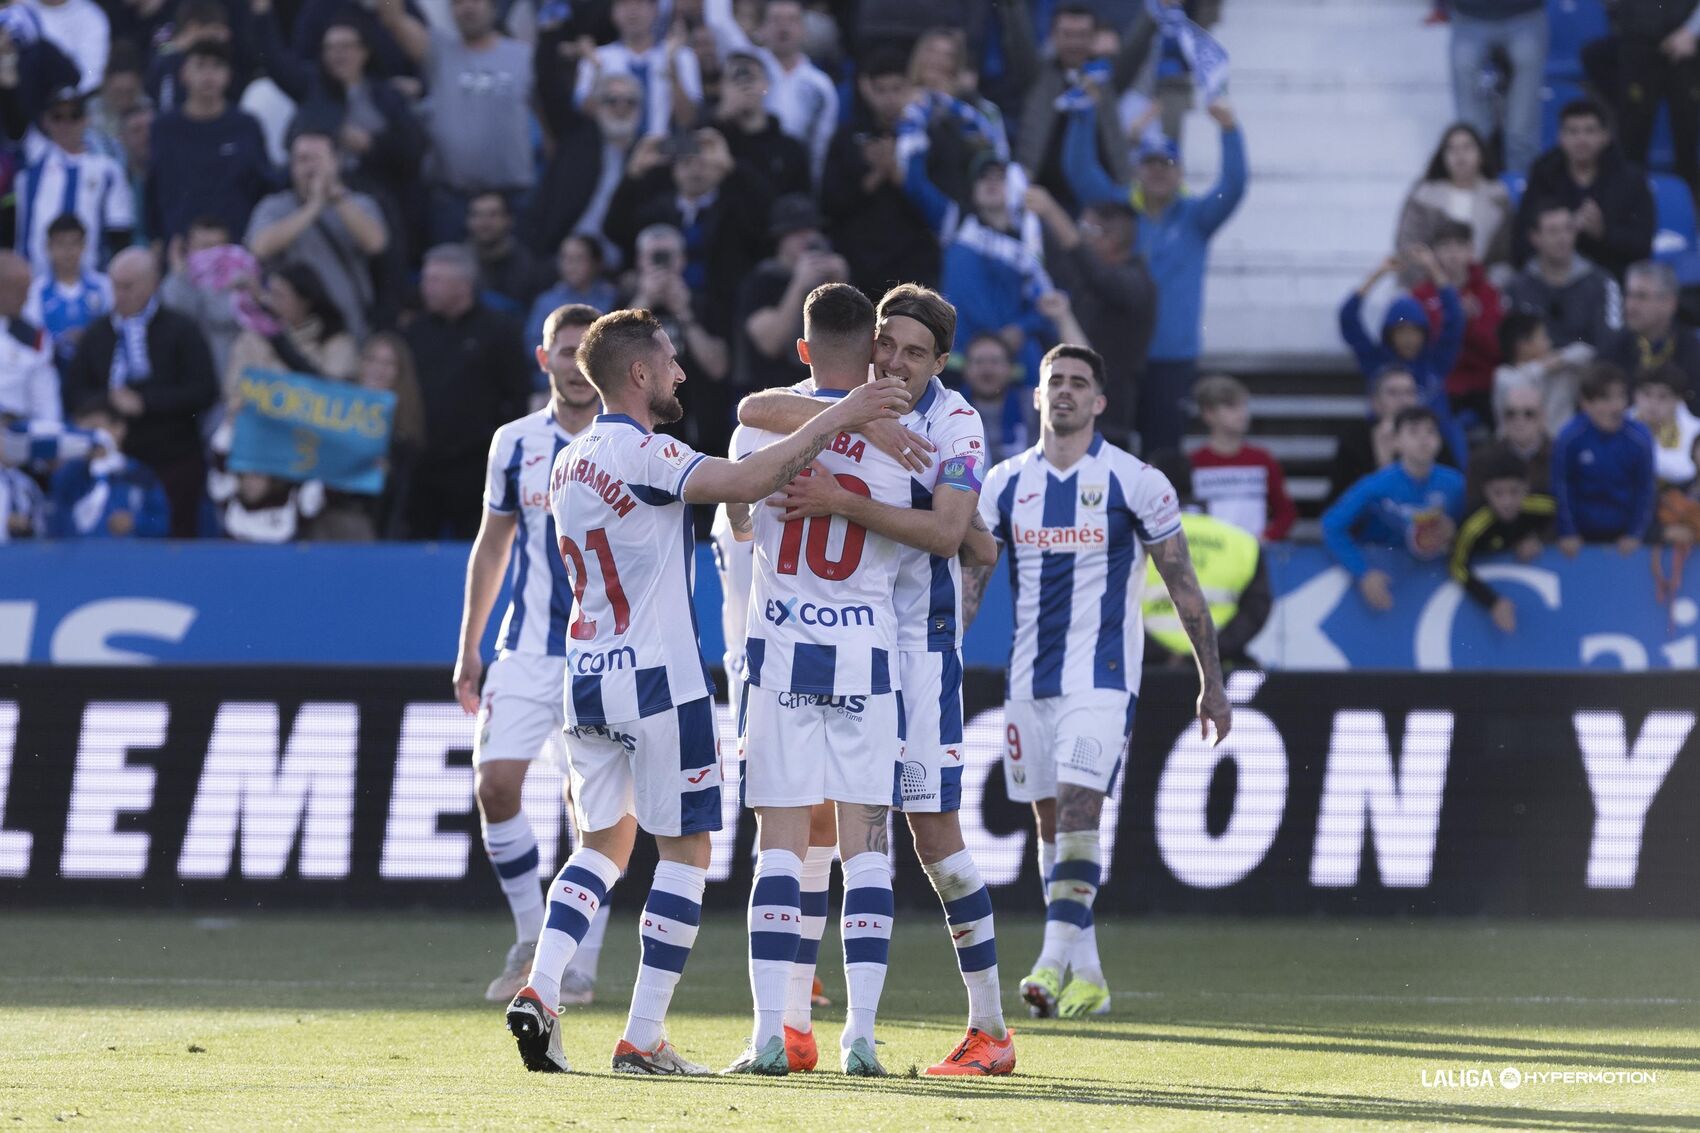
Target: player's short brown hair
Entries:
(613, 342)
(926, 307)
(1219, 389)
(1080, 354)
(570, 315)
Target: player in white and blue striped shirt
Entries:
(1078, 515)
(519, 709)
(640, 740)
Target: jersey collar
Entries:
(830, 393)
(926, 400)
(619, 419)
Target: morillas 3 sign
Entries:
(1501, 794)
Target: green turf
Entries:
(343, 1022)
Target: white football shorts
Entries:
(1078, 738)
(519, 713)
(800, 749)
(933, 750)
(664, 769)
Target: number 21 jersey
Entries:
(626, 535)
(822, 618)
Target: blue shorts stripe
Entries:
(868, 900)
(1076, 869)
(975, 906)
(673, 907)
(897, 785)
(902, 717)
(977, 957)
(755, 651)
(577, 875)
(879, 672)
(699, 811)
(950, 697)
(699, 741)
(950, 788)
(814, 903)
(565, 918)
(808, 950)
(777, 889)
(866, 950)
(781, 946)
(667, 957)
(1071, 911)
(517, 868)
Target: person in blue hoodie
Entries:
(1603, 468)
(106, 494)
(1174, 237)
(1413, 503)
(1406, 341)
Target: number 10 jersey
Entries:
(822, 619)
(626, 536)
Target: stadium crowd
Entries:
(396, 194)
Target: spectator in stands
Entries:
(1607, 195)
(338, 91)
(1367, 444)
(1656, 65)
(719, 206)
(208, 158)
(193, 22)
(31, 70)
(1413, 503)
(1532, 363)
(1237, 482)
(121, 90)
(946, 83)
(989, 383)
(752, 134)
(1460, 185)
(387, 364)
(1511, 518)
(661, 288)
(879, 231)
(29, 385)
(991, 273)
(1231, 570)
(136, 137)
(770, 301)
(106, 494)
(154, 365)
(68, 178)
(304, 335)
(1097, 262)
(587, 167)
(80, 29)
(1174, 236)
(579, 266)
(315, 18)
(1581, 302)
(1659, 407)
(481, 87)
(474, 375)
(207, 296)
(255, 508)
(1603, 469)
(1408, 339)
(665, 70)
(68, 296)
(1518, 29)
(321, 223)
(1469, 387)
(1650, 336)
(1522, 435)
(509, 276)
(800, 94)
(1044, 117)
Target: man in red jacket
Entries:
(1470, 384)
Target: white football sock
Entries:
(867, 941)
(589, 955)
(968, 916)
(512, 848)
(577, 892)
(667, 930)
(816, 880)
(1074, 886)
(775, 927)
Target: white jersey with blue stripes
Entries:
(822, 619)
(929, 587)
(516, 483)
(626, 536)
(1076, 542)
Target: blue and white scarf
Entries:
(1207, 58)
(130, 353)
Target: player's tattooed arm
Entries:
(1174, 564)
(974, 579)
(743, 526)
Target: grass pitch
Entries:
(365, 1021)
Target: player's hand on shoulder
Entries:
(885, 398)
(901, 443)
(812, 493)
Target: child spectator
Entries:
(1659, 406)
(1469, 387)
(67, 297)
(1603, 468)
(107, 494)
(1236, 482)
(1530, 362)
(1367, 444)
(579, 263)
(1512, 518)
(988, 381)
(1407, 340)
(1412, 503)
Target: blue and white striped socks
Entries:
(513, 854)
(816, 881)
(776, 918)
(867, 941)
(577, 892)
(1085, 956)
(968, 914)
(668, 930)
(1073, 888)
